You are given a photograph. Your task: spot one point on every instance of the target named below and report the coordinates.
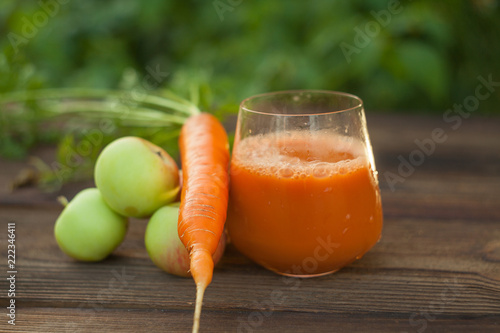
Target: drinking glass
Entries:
(304, 196)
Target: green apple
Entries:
(164, 246)
(136, 177)
(88, 229)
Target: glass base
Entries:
(302, 276)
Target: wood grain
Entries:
(436, 268)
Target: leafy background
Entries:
(426, 59)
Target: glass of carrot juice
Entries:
(304, 196)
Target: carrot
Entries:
(204, 152)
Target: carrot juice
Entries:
(303, 204)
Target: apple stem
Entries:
(62, 200)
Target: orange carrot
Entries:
(205, 159)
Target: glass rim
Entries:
(290, 92)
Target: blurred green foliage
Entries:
(399, 56)
(426, 58)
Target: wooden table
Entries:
(436, 268)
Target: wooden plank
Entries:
(415, 262)
(436, 268)
(473, 149)
(235, 320)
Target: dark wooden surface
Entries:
(436, 268)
